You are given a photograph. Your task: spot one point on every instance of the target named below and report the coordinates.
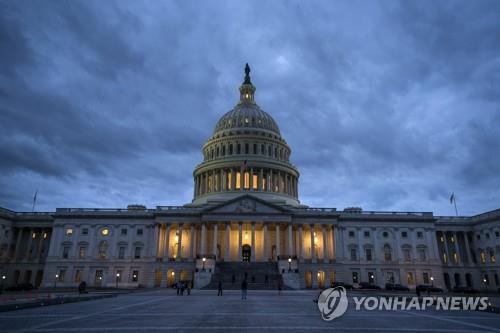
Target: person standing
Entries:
(220, 288)
(244, 287)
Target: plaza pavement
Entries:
(263, 311)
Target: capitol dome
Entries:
(246, 155)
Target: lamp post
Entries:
(204, 259)
(55, 280)
(3, 282)
(432, 280)
(289, 264)
(117, 278)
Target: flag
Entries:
(244, 166)
(452, 198)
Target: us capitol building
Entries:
(246, 220)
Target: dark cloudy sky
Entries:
(387, 105)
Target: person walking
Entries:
(219, 293)
(244, 287)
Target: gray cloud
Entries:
(386, 105)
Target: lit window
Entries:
(81, 252)
(135, 276)
(455, 257)
(69, 232)
(445, 258)
(61, 275)
(238, 180)
(45, 235)
(247, 180)
(105, 232)
(387, 253)
(78, 275)
(255, 182)
(409, 278)
(33, 235)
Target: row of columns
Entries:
(298, 249)
(269, 180)
(447, 236)
(22, 250)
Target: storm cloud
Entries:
(389, 105)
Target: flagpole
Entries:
(455, 202)
(34, 201)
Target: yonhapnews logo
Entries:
(333, 303)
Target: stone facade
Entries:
(246, 208)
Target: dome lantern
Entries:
(247, 89)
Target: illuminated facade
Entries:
(246, 208)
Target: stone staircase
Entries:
(232, 274)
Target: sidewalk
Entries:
(21, 300)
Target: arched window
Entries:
(238, 149)
(224, 150)
(102, 250)
(387, 253)
(231, 149)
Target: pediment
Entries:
(246, 204)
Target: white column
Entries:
(40, 245)
(325, 248)
(431, 241)
(445, 245)
(413, 245)
(203, 249)
(227, 257)
(266, 243)
(18, 244)
(253, 242)
(240, 254)
(156, 241)
(166, 246)
(313, 253)
(30, 241)
(457, 250)
(179, 244)
(301, 244)
(467, 248)
(290, 240)
(214, 247)
(278, 252)
(191, 242)
(336, 243)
